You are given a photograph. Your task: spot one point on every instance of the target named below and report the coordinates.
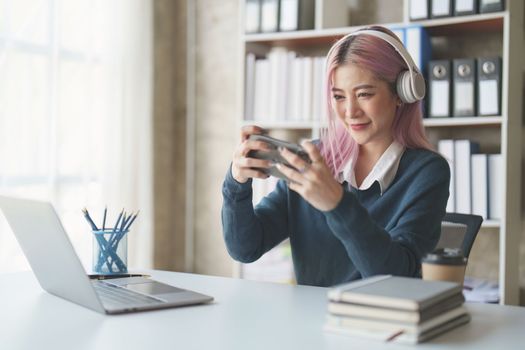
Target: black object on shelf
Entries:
(491, 6)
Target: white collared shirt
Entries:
(383, 172)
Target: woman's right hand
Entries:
(242, 166)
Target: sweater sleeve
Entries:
(398, 251)
(250, 232)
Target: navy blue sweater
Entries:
(365, 234)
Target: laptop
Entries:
(60, 272)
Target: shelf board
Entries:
(479, 23)
(284, 125)
(461, 121)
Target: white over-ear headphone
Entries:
(410, 84)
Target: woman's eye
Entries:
(338, 97)
(364, 94)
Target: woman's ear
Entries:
(398, 101)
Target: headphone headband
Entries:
(393, 42)
(410, 84)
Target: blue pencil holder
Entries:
(110, 252)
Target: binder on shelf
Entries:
(491, 6)
(318, 88)
(269, 16)
(418, 9)
(289, 87)
(464, 87)
(441, 8)
(417, 43)
(446, 148)
(489, 86)
(307, 73)
(277, 78)
(249, 86)
(465, 7)
(297, 81)
(463, 149)
(496, 185)
(261, 90)
(480, 185)
(252, 13)
(296, 15)
(440, 88)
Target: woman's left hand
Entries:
(314, 182)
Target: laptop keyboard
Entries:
(110, 294)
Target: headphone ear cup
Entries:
(404, 90)
(418, 86)
(410, 87)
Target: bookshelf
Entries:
(499, 33)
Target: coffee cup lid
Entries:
(446, 256)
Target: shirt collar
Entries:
(384, 170)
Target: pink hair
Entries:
(379, 57)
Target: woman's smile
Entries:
(359, 126)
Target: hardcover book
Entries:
(393, 314)
(394, 292)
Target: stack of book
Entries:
(397, 309)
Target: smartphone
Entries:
(274, 155)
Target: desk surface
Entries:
(245, 315)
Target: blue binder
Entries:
(417, 43)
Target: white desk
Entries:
(245, 315)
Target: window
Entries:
(75, 114)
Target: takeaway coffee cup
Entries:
(445, 264)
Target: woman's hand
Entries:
(314, 182)
(242, 165)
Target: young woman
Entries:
(372, 200)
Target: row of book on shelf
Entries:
(423, 9)
(283, 86)
(265, 16)
(476, 179)
(464, 87)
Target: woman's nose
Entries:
(351, 109)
